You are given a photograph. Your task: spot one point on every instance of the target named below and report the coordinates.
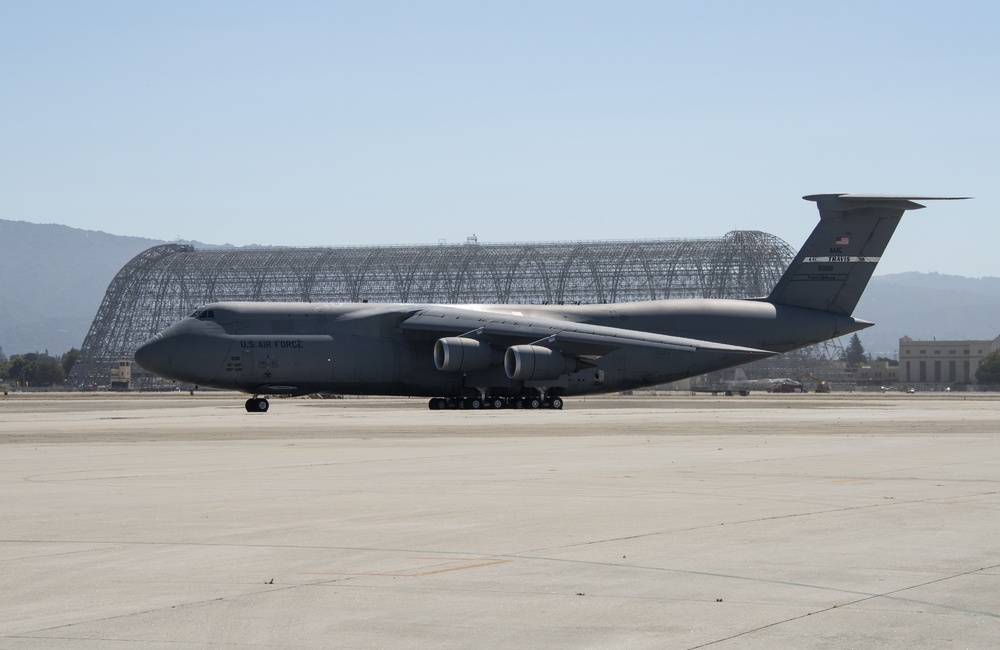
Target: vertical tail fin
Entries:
(833, 267)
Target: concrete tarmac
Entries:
(795, 521)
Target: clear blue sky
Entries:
(331, 123)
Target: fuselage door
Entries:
(249, 367)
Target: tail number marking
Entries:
(842, 258)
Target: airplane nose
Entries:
(183, 352)
(153, 355)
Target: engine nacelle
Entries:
(456, 354)
(536, 363)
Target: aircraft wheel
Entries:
(436, 404)
(496, 403)
(534, 403)
(556, 403)
(475, 403)
(256, 405)
(519, 403)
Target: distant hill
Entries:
(53, 278)
(988, 286)
(928, 306)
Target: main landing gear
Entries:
(257, 405)
(479, 403)
(260, 404)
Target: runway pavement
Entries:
(796, 521)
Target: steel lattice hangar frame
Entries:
(165, 283)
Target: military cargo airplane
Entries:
(530, 356)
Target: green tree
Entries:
(988, 371)
(34, 369)
(67, 360)
(855, 354)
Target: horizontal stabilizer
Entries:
(832, 204)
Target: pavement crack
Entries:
(888, 594)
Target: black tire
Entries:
(556, 403)
(260, 405)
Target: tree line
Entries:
(37, 369)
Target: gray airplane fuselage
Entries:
(362, 349)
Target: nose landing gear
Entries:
(257, 405)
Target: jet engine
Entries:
(457, 354)
(536, 363)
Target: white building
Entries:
(941, 362)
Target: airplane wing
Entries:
(577, 338)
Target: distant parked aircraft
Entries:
(741, 385)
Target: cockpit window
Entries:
(202, 314)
